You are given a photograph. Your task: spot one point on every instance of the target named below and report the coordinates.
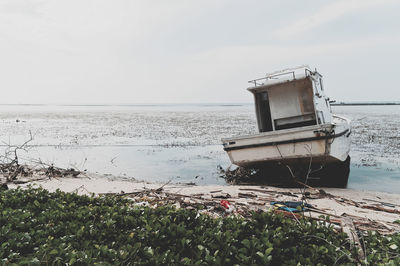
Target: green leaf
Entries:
(246, 243)
(268, 251)
(150, 251)
(53, 252)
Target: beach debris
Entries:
(238, 175)
(13, 171)
(291, 206)
(287, 193)
(349, 228)
(378, 208)
(257, 190)
(387, 204)
(53, 171)
(221, 196)
(188, 183)
(245, 200)
(142, 203)
(247, 195)
(21, 174)
(227, 205)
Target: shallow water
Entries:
(182, 142)
(372, 178)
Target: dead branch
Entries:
(16, 172)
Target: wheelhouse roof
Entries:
(282, 76)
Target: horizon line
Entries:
(122, 104)
(190, 103)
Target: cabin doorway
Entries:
(263, 112)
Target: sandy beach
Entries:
(369, 210)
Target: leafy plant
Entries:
(38, 227)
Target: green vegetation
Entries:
(38, 227)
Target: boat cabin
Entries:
(290, 98)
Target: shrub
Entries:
(38, 227)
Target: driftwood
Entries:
(257, 190)
(377, 208)
(23, 174)
(221, 196)
(387, 204)
(349, 228)
(247, 195)
(13, 171)
(286, 193)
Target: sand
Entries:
(337, 203)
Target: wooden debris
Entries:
(221, 196)
(257, 190)
(346, 201)
(254, 200)
(349, 228)
(256, 203)
(22, 174)
(377, 208)
(247, 195)
(387, 204)
(288, 194)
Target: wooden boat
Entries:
(297, 130)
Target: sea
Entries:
(178, 143)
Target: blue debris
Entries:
(291, 206)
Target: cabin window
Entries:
(295, 121)
(263, 112)
(292, 104)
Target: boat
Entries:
(297, 132)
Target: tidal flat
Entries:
(181, 143)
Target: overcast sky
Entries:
(181, 51)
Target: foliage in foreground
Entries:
(38, 227)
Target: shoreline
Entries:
(365, 208)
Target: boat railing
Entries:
(277, 75)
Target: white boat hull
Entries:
(312, 144)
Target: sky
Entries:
(183, 51)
